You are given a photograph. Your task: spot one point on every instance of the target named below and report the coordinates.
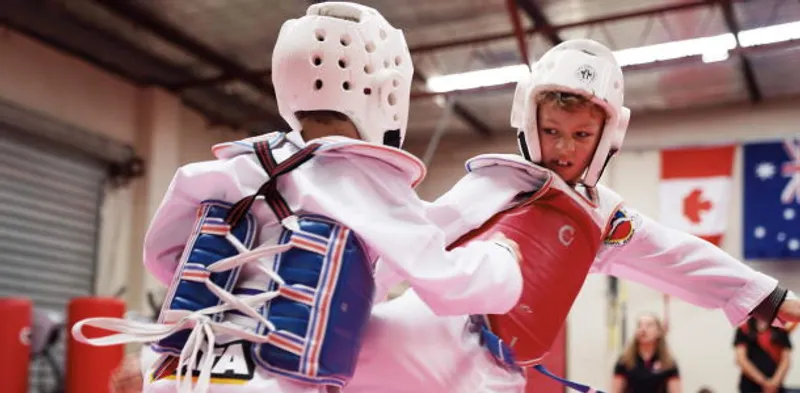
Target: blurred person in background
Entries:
(646, 364)
(762, 353)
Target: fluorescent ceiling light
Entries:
(715, 56)
(474, 79)
(770, 34)
(711, 49)
(675, 50)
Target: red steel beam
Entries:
(539, 29)
(519, 32)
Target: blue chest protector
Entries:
(318, 318)
(325, 304)
(207, 245)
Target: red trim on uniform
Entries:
(714, 239)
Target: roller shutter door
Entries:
(50, 198)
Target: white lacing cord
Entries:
(249, 306)
(203, 327)
(201, 332)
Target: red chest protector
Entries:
(559, 236)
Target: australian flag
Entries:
(772, 200)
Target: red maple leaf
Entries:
(694, 204)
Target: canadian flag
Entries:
(695, 190)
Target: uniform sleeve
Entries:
(687, 267)
(175, 217)
(783, 339)
(672, 373)
(382, 208)
(740, 338)
(621, 370)
(473, 200)
(477, 197)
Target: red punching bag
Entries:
(89, 368)
(15, 343)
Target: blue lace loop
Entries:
(504, 355)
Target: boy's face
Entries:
(568, 139)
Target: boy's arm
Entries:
(386, 213)
(378, 204)
(477, 197)
(692, 269)
(176, 215)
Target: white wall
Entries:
(700, 338)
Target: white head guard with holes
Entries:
(347, 58)
(583, 67)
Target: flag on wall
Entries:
(772, 200)
(695, 188)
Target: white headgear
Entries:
(347, 58)
(583, 67)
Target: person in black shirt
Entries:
(762, 352)
(646, 364)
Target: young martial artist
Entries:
(268, 250)
(571, 121)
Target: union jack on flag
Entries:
(772, 200)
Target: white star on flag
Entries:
(765, 171)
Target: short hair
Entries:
(570, 102)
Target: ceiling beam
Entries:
(147, 20)
(519, 32)
(213, 81)
(679, 62)
(643, 12)
(655, 10)
(432, 47)
(472, 120)
(540, 20)
(463, 113)
(745, 67)
(55, 27)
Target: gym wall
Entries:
(59, 89)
